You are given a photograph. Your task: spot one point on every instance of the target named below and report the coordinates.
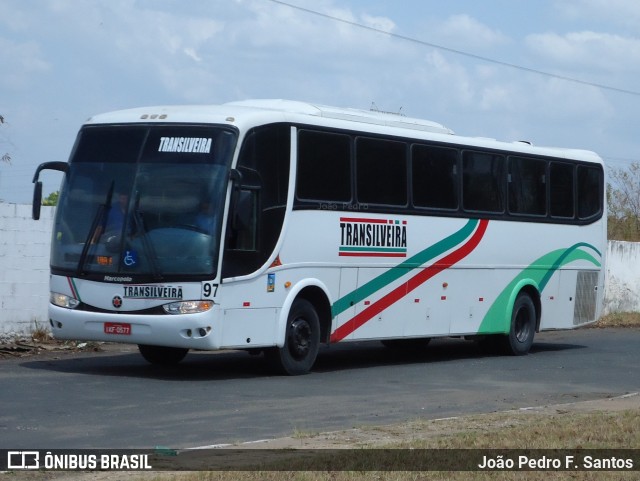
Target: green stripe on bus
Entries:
(498, 316)
(403, 268)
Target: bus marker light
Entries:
(105, 260)
(443, 298)
(287, 285)
(276, 262)
(246, 304)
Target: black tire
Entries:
(302, 341)
(161, 355)
(523, 326)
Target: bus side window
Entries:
(527, 186)
(244, 222)
(589, 191)
(561, 187)
(483, 182)
(254, 228)
(434, 177)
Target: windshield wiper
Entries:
(149, 250)
(98, 219)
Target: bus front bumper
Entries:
(191, 331)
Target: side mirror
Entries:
(37, 200)
(244, 195)
(37, 187)
(244, 212)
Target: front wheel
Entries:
(302, 340)
(523, 326)
(161, 355)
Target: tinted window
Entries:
(482, 182)
(261, 203)
(589, 191)
(324, 166)
(434, 177)
(527, 186)
(115, 144)
(561, 189)
(381, 172)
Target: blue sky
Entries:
(65, 60)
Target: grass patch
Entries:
(595, 430)
(619, 319)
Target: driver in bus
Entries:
(116, 217)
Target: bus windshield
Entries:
(143, 202)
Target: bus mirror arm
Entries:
(37, 188)
(235, 176)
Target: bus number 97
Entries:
(209, 290)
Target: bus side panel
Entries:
(469, 294)
(427, 311)
(384, 323)
(247, 328)
(348, 284)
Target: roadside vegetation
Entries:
(619, 319)
(516, 430)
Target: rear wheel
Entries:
(523, 326)
(161, 355)
(302, 340)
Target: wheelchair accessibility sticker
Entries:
(130, 258)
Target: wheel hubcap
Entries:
(299, 338)
(523, 326)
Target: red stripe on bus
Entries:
(72, 287)
(404, 289)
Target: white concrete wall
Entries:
(622, 281)
(24, 268)
(24, 271)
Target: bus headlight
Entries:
(187, 307)
(62, 300)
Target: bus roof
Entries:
(250, 113)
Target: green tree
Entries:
(51, 199)
(623, 202)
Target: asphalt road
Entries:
(117, 400)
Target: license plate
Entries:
(120, 328)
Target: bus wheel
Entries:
(302, 340)
(523, 326)
(161, 355)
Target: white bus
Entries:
(276, 226)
